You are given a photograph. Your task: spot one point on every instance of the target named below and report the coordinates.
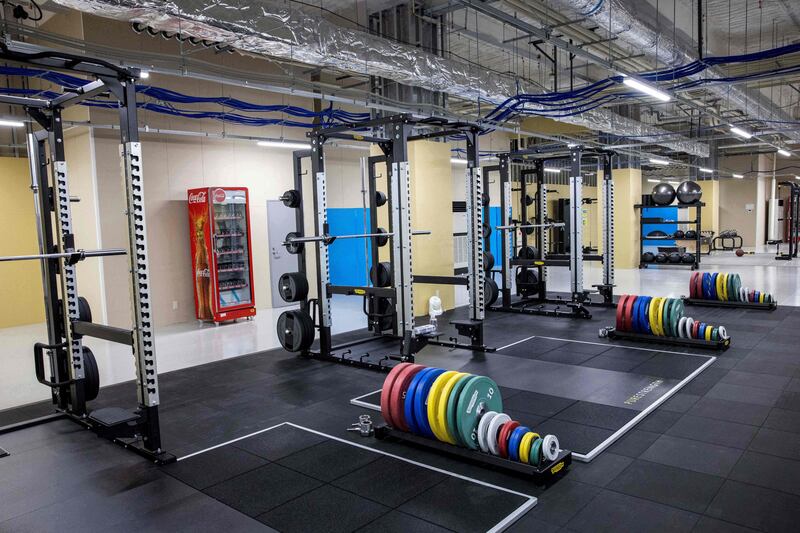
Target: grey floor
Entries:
(722, 455)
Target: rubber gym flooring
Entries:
(721, 455)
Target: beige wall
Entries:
(734, 195)
(627, 193)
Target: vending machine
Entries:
(222, 264)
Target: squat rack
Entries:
(579, 297)
(791, 220)
(72, 368)
(397, 132)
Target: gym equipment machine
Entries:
(661, 320)
(389, 302)
(530, 263)
(722, 289)
(791, 221)
(63, 363)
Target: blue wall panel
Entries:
(670, 213)
(348, 257)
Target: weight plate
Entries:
(293, 287)
(490, 292)
(730, 292)
(706, 286)
(666, 319)
(293, 248)
(689, 327)
(493, 429)
(452, 407)
(291, 198)
(386, 391)
(653, 314)
(479, 395)
(382, 276)
(488, 261)
(698, 290)
(715, 334)
(525, 446)
(380, 198)
(720, 287)
(737, 287)
(713, 283)
(723, 333)
(678, 312)
(644, 320)
(707, 335)
(660, 315)
(627, 317)
(696, 330)
(620, 310)
(398, 393)
(382, 239)
(408, 404)
(514, 442)
(442, 420)
(434, 397)
(421, 401)
(637, 304)
(761, 297)
(536, 452)
(692, 282)
(483, 427)
(487, 230)
(295, 330)
(485, 199)
(91, 375)
(550, 447)
(701, 331)
(504, 435)
(682, 327)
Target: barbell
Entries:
(72, 257)
(292, 239)
(525, 226)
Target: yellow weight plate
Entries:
(718, 283)
(761, 298)
(709, 329)
(525, 447)
(724, 286)
(441, 408)
(653, 312)
(433, 402)
(660, 316)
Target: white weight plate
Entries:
(723, 333)
(483, 425)
(682, 327)
(491, 432)
(550, 447)
(688, 325)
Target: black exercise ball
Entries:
(690, 234)
(678, 234)
(663, 194)
(674, 257)
(657, 234)
(648, 257)
(687, 258)
(661, 258)
(689, 192)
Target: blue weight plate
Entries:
(756, 296)
(714, 295)
(701, 331)
(635, 326)
(706, 286)
(421, 401)
(644, 319)
(514, 441)
(408, 405)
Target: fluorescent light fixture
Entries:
(647, 89)
(659, 161)
(143, 75)
(12, 123)
(571, 145)
(284, 144)
(738, 176)
(552, 170)
(651, 180)
(797, 177)
(741, 133)
(457, 161)
(784, 153)
(706, 170)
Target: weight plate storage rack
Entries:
(722, 289)
(696, 223)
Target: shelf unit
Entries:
(696, 223)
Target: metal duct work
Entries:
(273, 29)
(621, 18)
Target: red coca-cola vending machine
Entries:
(222, 264)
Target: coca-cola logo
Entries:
(219, 196)
(203, 273)
(198, 197)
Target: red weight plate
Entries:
(505, 433)
(698, 287)
(397, 396)
(752, 296)
(620, 311)
(693, 285)
(695, 329)
(628, 315)
(386, 410)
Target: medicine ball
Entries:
(661, 257)
(739, 252)
(690, 234)
(689, 192)
(674, 257)
(687, 258)
(648, 257)
(678, 234)
(663, 194)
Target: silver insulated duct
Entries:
(274, 29)
(627, 20)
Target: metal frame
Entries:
(696, 223)
(793, 222)
(58, 254)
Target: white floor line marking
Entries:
(515, 343)
(367, 394)
(621, 346)
(500, 526)
(237, 439)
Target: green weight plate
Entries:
(677, 313)
(480, 394)
(715, 334)
(666, 318)
(452, 407)
(536, 452)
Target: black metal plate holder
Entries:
(544, 474)
(771, 306)
(613, 334)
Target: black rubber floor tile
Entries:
(794, 385)
(693, 455)
(390, 481)
(680, 402)
(262, 489)
(601, 470)
(576, 437)
(531, 348)
(397, 522)
(744, 393)
(537, 404)
(598, 415)
(712, 525)
(767, 366)
(713, 431)
(672, 366)
(326, 509)
(462, 505)
(700, 385)
(659, 421)
(774, 442)
(566, 355)
(764, 381)
(329, 460)
(528, 524)
(789, 400)
(561, 501)
(630, 354)
(732, 411)
(280, 442)
(215, 466)
(768, 471)
(607, 362)
(784, 420)
(756, 507)
(612, 511)
(634, 443)
(691, 491)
